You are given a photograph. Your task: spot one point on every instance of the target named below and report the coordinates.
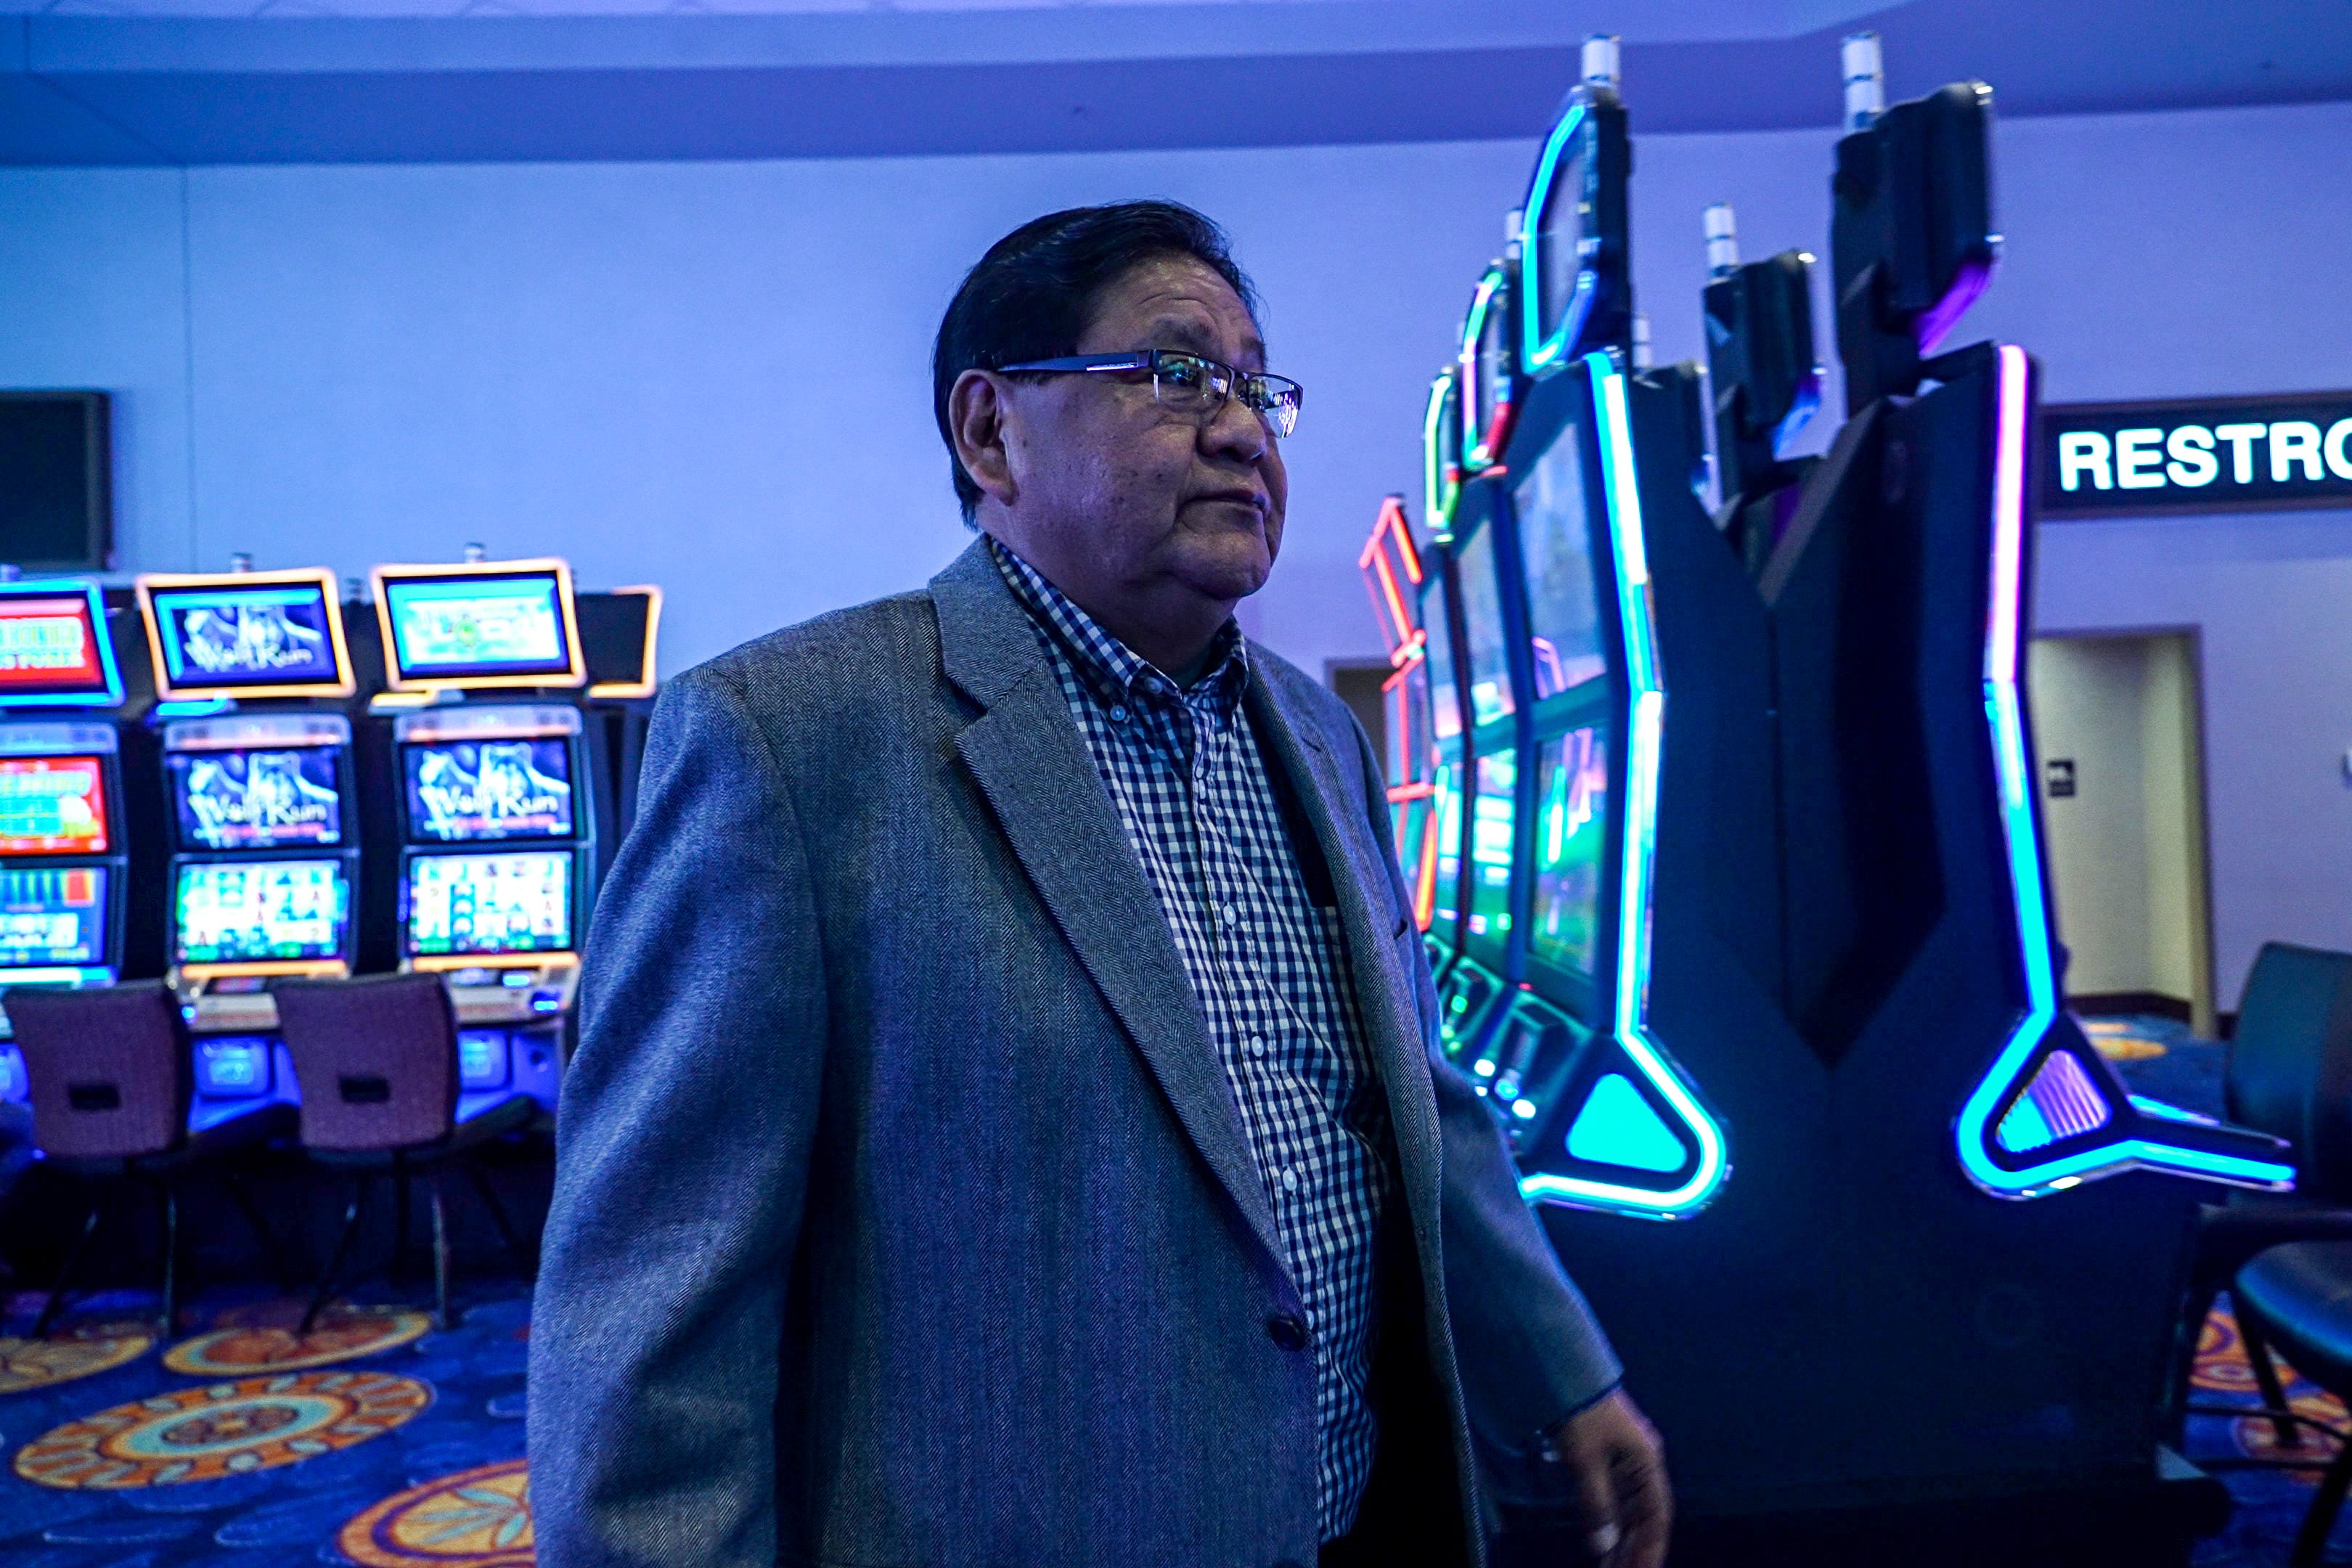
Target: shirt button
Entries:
(1232, 913)
(1287, 1330)
(1257, 1045)
(1290, 1179)
(1118, 715)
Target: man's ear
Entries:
(977, 413)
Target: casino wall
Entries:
(713, 375)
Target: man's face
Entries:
(1129, 508)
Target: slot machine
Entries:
(1796, 995)
(252, 671)
(500, 805)
(63, 857)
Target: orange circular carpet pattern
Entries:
(342, 1335)
(475, 1518)
(27, 1364)
(225, 1429)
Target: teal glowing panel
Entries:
(1617, 1127)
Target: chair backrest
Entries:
(377, 1059)
(107, 1069)
(2290, 1070)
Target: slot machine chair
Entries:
(109, 1069)
(2297, 1299)
(376, 1060)
(2290, 1075)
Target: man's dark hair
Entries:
(1031, 295)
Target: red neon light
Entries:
(1399, 794)
(1403, 621)
(1405, 549)
(1424, 895)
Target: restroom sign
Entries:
(2213, 453)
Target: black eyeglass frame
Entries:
(1281, 417)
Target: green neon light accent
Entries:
(1441, 486)
(1617, 1127)
(1538, 354)
(1476, 418)
(1647, 724)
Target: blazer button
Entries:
(1288, 1331)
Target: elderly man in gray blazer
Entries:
(1007, 1129)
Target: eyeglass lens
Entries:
(1190, 384)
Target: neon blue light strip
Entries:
(2004, 718)
(1538, 353)
(1648, 726)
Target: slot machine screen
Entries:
(52, 916)
(1560, 229)
(511, 626)
(53, 806)
(262, 799)
(464, 791)
(1571, 831)
(245, 911)
(243, 638)
(489, 904)
(53, 648)
(1492, 807)
(1485, 650)
(1555, 551)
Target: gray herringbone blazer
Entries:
(903, 1219)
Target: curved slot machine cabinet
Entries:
(1850, 948)
(63, 854)
(503, 805)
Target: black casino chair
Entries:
(2296, 1299)
(110, 1076)
(2290, 1074)
(377, 1059)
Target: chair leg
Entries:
(441, 1318)
(2311, 1540)
(170, 1318)
(343, 1246)
(73, 1260)
(521, 1255)
(2285, 1429)
(2201, 1298)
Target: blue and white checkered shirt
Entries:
(1270, 970)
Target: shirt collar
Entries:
(1116, 672)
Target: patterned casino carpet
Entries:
(377, 1441)
(374, 1441)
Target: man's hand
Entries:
(1617, 1467)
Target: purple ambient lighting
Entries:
(1938, 320)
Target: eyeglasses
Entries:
(1189, 385)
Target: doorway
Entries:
(1358, 682)
(2118, 729)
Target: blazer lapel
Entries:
(1033, 766)
(1384, 990)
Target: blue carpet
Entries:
(291, 1513)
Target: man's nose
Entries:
(1237, 431)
